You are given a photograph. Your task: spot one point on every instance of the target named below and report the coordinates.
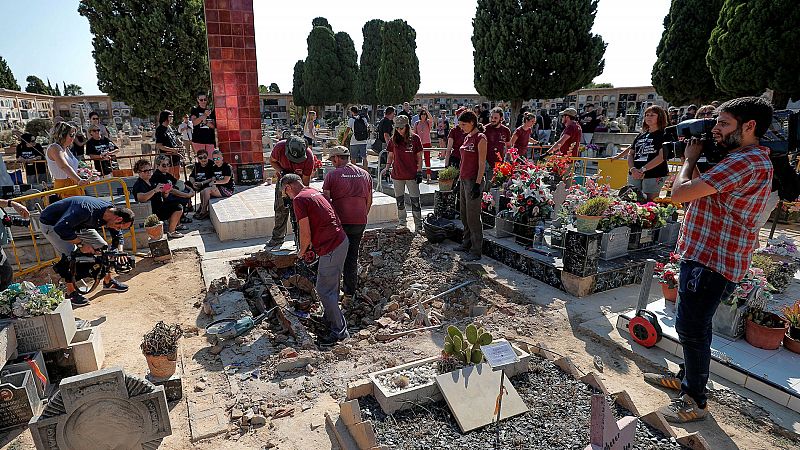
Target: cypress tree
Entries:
(297, 84)
(750, 49)
(535, 48)
(64, 83)
(50, 90)
(321, 22)
(7, 80)
(348, 67)
(366, 86)
(58, 91)
(680, 73)
(398, 75)
(322, 80)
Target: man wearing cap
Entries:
(27, 152)
(571, 136)
(288, 156)
(349, 189)
(320, 233)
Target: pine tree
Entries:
(535, 49)
(157, 61)
(7, 80)
(750, 49)
(322, 79)
(398, 76)
(348, 67)
(273, 87)
(297, 84)
(35, 85)
(367, 81)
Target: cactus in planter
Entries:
(594, 206)
(151, 220)
(466, 347)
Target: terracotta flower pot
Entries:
(587, 224)
(162, 366)
(155, 232)
(791, 343)
(764, 337)
(446, 185)
(670, 294)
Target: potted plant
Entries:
(588, 215)
(154, 227)
(446, 178)
(779, 272)
(667, 275)
(764, 329)
(160, 349)
(751, 292)
(42, 319)
(792, 338)
(465, 348)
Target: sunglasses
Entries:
(95, 118)
(201, 100)
(202, 157)
(216, 159)
(165, 165)
(145, 170)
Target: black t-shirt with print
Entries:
(202, 133)
(221, 172)
(162, 177)
(647, 146)
(167, 137)
(32, 152)
(200, 173)
(386, 126)
(141, 187)
(100, 147)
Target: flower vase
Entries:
(446, 185)
(670, 293)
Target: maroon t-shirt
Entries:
(523, 137)
(405, 158)
(305, 168)
(469, 157)
(350, 186)
(573, 130)
(496, 138)
(457, 135)
(326, 230)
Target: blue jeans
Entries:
(701, 291)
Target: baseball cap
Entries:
(569, 112)
(401, 121)
(339, 150)
(296, 149)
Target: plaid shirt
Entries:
(719, 230)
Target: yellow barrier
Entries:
(45, 198)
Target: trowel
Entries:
(232, 328)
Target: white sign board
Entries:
(499, 354)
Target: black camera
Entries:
(694, 128)
(15, 221)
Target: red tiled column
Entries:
(234, 79)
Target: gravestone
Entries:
(31, 362)
(581, 252)
(19, 400)
(103, 410)
(606, 433)
(559, 196)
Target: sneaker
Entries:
(181, 227)
(329, 340)
(115, 286)
(275, 242)
(667, 380)
(683, 410)
(77, 299)
(471, 257)
(174, 234)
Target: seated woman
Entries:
(221, 183)
(199, 179)
(144, 190)
(162, 175)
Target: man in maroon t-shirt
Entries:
(497, 135)
(349, 188)
(571, 136)
(320, 232)
(288, 156)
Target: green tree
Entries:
(73, 89)
(64, 83)
(273, 87)
(35, 85)
(321, 22)
(594, 85)
(535, 49)
(680, 73)
(39, 127)
(7, 80)
(50, 90)
(58, 91)
(298, 97)
(348, 67)
(398, 75)
(262, 89)
(322, 78)
(750, 49)
(367, 80)
(133, 64)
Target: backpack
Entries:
(784, 178)
(360, 130)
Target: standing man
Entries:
(589, 122)
(385, 129)
(185, 129)
(691, 112)
(32, 154)
(321, 234)
(358, 128)
(497, 135)
(442, 129)
(288, 156)
(406, 111)
(570, 141)
(717, 239)
(349, 189)
(203, 124)
(545, 126)
(94, 119)
(484, 117)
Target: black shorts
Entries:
(309, 141)
(167, 209)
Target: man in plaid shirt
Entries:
(717, 240)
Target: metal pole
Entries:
(499, 408)
(647, 280)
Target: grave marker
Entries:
(606, 433)
(19, 400)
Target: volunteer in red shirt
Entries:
(497, 135)
(452, 155)
(570, 140)
(522, 135)
(471, 176)
(719, 234)
(288, 156)
(405, 162)
(320, 233)
(349, 189)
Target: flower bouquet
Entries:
(559, 165)
(618, 214)
(778, 273)
(487, 210)
(25, 299)
(87, 173)
(502, 172)
(667, 276)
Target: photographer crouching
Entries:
(6, 270)
(72, 224)
(717, 239)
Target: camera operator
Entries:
(718, 236)
(6, 271)
(73, 223)
(288, 156)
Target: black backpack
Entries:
(360, 130)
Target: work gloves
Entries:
(475, 192)
(419, 177)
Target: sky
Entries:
(48, 38)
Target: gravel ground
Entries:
(558, 419)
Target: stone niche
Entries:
(103, 410)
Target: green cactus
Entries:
(472, 334)
(457, 344)
(454, 331)
(484, 338)
(477, 356)
(465, 347)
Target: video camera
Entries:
(15, 221)
(93, 267)
(694, 128)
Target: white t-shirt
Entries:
(351, 124)
(185, 129)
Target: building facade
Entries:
(17, 108)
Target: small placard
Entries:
(499, 354)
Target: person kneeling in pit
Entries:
(321, 231)
(73, 223)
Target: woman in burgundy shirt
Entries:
(522, 134)
(405, 161)
(471, 174)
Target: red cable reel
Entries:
(645, 329)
